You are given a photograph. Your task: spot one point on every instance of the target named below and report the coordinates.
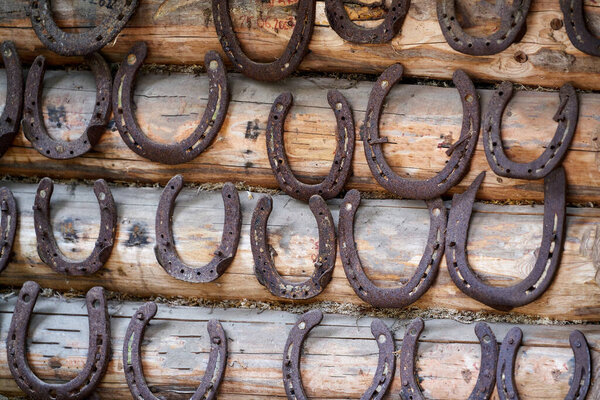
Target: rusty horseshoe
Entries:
(166, 253)
(13, 107)
(576, 26)
(342, 161)
(264, 268)
(83, 385)
(8, 226)
(487, 371)
(293, 54)
(566, 116)
(46, 243)
(418, 283)
(513, 26)
(189, 148)
(460, 152)
(132, 359)
(549, 252)
(580, 383)
(351, 32)
(79, 44)
(33, 124)
(292, 380)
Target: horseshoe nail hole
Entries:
(102, 196)
(279, 107)
(384, 84)
(120, 17)
(302, 325)
(487, 339)
(213, 65)
(98, 38)
(348, 206)
(131, 59)
(43, 193)
(500, 93)
(338, 106)
(413, 332)
(436, 212)
(381, 339)
(26, 297)
(96, 303)
(469, 98)
(7, 53)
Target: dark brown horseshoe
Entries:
(83, 385)
(348, 30)
(46, 243)
(33, 124)
(13, 107)
(292, 380)
(342, 162)
(460, 152)
(549, 253)
(484, 386)
(292, 55)
(507, 390)
(8, 226)
(566, 116)
(264, 268)
(418, 283)
(513, 25)
(166, 253)
(132, 359)
(189, 148)
(78, 44)
(576, 26)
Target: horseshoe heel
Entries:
(566, 116)
(8, 226)
(264, 268)
(46, 243)
(78, 44)
(547, 262)
(11, 116)
(33, 124)
(577, 29)
(292, 380)
(132, 359)
(342, 162)
(84, 384)
(292, 55)
(188, 149)
(513, 26)
(484, 386)
(425, 274)
(460, 152)
(351, 32)
(165, 251)
(505, 375)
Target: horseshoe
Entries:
(577, 29)
(513, 26)
(351, 32)
(342, 162)
(166, 253)
(188, 149)
(292, 380)
(46, 243)
(13, 107)
(293, 54)
(78, 44)
(264, 268)
(8, 226)
(484, 386)
(33, 124)
(460, 152)
(566, 116)
(546, 265)
(84, 384)
(132, 359)
(425, 274)
(505, 375)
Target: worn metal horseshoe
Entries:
(484, 386)
(576, 26)
(166, 253)
(460, 152)
(47, 248)
(264, 267)
(505, 375)
(33, 124)
(513, 26)
(566, 116)
(8, 226)
(13, 107)
(549, 253)
(189, 148)
(425, 273)
(292, 380)
(83, 385)
(348, 30)
(79, 44)
(132, 359)
(342, 161)
(293, 54)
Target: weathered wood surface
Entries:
(182, 31)
(420, 121)
(390, 234)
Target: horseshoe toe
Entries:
(575, 24)
(13, 107)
